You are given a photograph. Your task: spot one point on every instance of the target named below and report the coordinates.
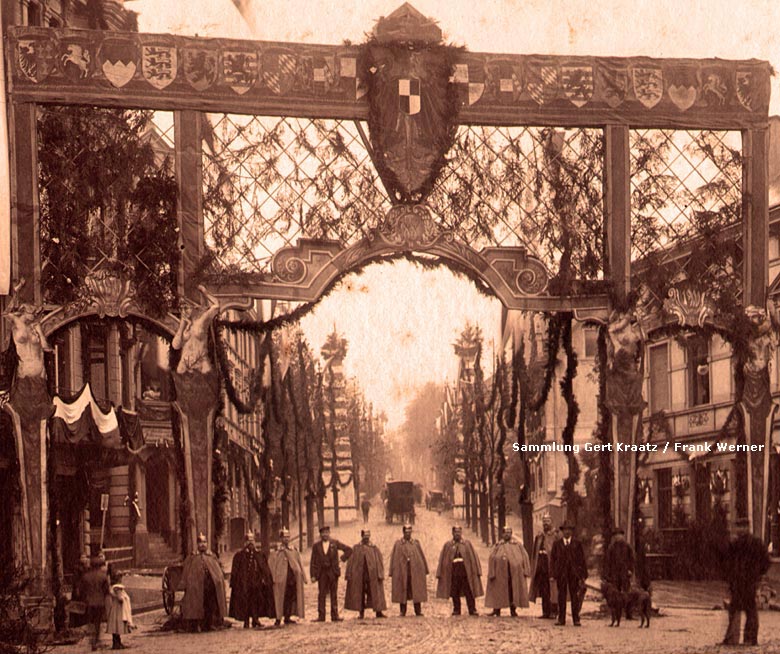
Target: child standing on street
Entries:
(119, 611)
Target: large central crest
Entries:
(407, 74)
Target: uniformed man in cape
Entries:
(408, 570)
(251, 595)
(365, 578)
(203, 583)
(508, 572)
(542, 583)
(289, 577)
(459, 572)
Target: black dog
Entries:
(616, 601)
(641, 598)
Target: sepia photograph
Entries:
(374, 326)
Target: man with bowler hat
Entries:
(325, 570)
(568, 568)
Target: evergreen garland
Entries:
(570, 495)
(602, 434)
(552, 347)
(181, 477)
(219, 480)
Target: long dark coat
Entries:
(567, 562)
(193, 577)
(278, 561)
(444, 571)
(497, 593)
(411, 551)
(251, 586)
(362, 555)
(618, 563)
(533, 591)
(745, 562)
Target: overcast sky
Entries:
(399, 321)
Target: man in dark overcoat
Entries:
(251, 595)
(325, 570)
(459, 573)
(365, 578)
(619, 562)
(568, 567)
(203, 583)
(542, 585)
(745, 562)
(93, 588)
(409, 570)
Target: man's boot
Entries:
(418, 609)
(496, 612)
(513, 611)
(361, 615)
(379, 614)
(403, 609)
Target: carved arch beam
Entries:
(305, 271)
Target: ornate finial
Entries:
(407, 24)
(108, 293)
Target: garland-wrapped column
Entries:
(625, 402)
(758, 411)
(197, 395)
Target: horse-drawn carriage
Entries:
(400, 501)
(437, 500)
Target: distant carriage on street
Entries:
(436, 500)
(400, 501)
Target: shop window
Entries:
(697, 355)
(664, 486)
(659, 378)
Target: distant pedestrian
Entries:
(459, 573)
(365, 507)
(745, 562)
(325, 570)
(408, 570)
(94, 589)
(508, 572)
(365, 578)
(289, 577)
(568, 567)
(119, 618)
(542, 583)
(251, 596)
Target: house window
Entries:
(659, 378)
(697, 352)
(34, 14)
(63, 358)
(591, 342)
(774, 247)
(95, 337)
(664, 486)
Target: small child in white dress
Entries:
(119, 612)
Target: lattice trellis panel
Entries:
(270, 181)
(108, 200)
(541, 188)
(686, 204)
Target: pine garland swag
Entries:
(569, 489)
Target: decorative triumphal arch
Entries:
(540, 177)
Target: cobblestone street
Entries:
(677, 630)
